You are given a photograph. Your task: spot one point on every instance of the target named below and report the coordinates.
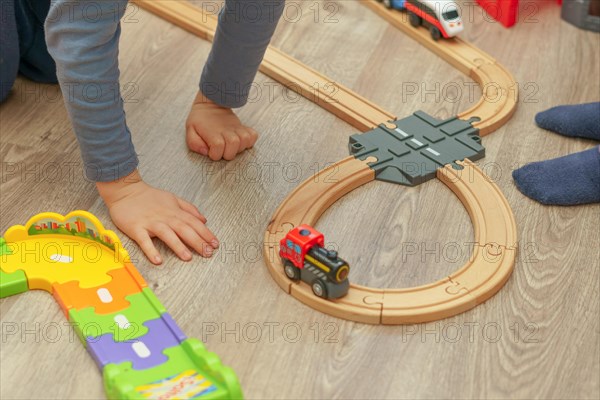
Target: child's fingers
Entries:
(253, 135)
(246, 140)
(143, 239)
(204, 232)
(167, 235)
(192, 238)
(216, 146)
(232, 145)
(192, 209)
(195, 142)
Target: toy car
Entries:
(305, 258)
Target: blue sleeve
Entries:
(243, 34)
(83, 39)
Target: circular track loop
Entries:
(484, 274)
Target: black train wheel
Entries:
(291, 271)
(435, 33)
(319, 288)
(414, 19)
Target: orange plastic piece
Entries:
(107, 298)
(135, 275)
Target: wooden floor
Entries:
(537, 338)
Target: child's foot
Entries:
(215, 131)
(581, 120)
(564, 181)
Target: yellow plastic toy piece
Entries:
(52, 248)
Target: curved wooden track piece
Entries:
(486, 272)
(494, 108)
(495, 230)
(335, 98)
(499, 88)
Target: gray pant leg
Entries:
(243, 34)
(9, 48)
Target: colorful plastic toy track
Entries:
(445, 147)
(135, 342)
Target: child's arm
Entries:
(82, 38)
(243, 34)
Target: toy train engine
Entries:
(305, 258)
(441, 16)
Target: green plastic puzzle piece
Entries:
(125, 324)
(191, 371)
(4, 249)
(11, 284)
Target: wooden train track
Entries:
(495, 230)
(486, 272)
(500, 91)
(343, 102)
(494, 108)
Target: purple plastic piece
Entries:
(162, 334)
(173, 327)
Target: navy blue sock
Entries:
(581, 120)
(565, 181)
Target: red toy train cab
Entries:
(298, 241)
(305, 258)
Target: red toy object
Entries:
(503, 11)
(306, 259)
(298, 241)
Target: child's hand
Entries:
(143, 212)
(215, 131)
